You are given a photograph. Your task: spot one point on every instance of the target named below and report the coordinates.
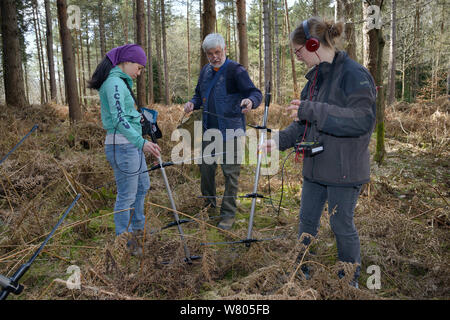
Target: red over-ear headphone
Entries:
(312, 44)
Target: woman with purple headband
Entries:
(124, 144)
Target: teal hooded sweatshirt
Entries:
(117, 107)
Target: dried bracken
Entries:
(402, 218)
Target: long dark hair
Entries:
(100, 74)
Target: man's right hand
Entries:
(188, 107)
(153, 148)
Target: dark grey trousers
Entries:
(231, 169)
(341, 206)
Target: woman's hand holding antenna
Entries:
(153, 148)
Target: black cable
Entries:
(282, 180)
(114, 154)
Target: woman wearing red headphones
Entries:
(333, 122)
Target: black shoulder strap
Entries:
(132, 94)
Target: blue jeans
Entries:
(341, 206)
(127, 161)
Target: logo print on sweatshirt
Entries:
(119, 109)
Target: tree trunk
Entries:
(236, 54)
(415, 72)
(83, 70)
(61, 95)
(348, 16)
(188, 51)
(277, 54)
(150, 99)
(291, 52)
(51, 61)
(260, 32)
(140, 34)
(315, 12)
(78, 67)
(374, 44)
(164, 47)
(88, 52)
(70, 80)
(380, 151)
(36, 34)
(392, 53)
(101, 28)
(267, 45)
(40, 48)
(242, 33)
(209, 21)
(125, 20)
(158, 49)
(12, 64)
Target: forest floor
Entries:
(402, 218)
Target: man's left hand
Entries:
(246, 105)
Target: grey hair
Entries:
(213, 40)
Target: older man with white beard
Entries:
(226, 93)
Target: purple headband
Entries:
(127, 53)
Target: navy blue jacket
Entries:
(225, 98)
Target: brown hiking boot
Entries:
(226, 223)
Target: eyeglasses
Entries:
(297, 51)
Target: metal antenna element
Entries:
(19, 143)
(12, 284)
(187, 253)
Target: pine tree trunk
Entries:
(236, 53)
(88, 52)
(125, 20)
(78, 67)
(242, 32)
(291, 52)
(164, 47)
(51, 61)
(36, 34)
(83, 70)
(140, 34)
(12, 64)
(277, 53)
(40, 48)
(158, 49)
(70, 80)
(188, 51)
(260, 33)
(209, 22)
(315, 12)
(374, 44)
(101, 29)
(61, 94)
(267, 46)
(346, 12)
(415, 73)
(150, 99)
(380, 151)
(392, 53)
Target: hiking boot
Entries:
(134, 245)
(134, 248)
(353, 282)
(226, 223)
